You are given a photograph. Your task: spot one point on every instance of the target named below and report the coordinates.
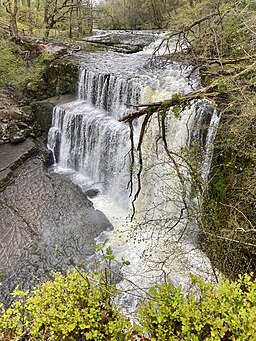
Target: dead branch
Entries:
(182, 33)
(207, 92)
(225, 61)
(139, 149)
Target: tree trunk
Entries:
(14, 25)
(46, 32)
(70, 35)
(30, 17)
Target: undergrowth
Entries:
(76, 306)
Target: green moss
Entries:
(176, 99)
(177, 111)
(224, 84)
(46, 58)
(13, 69)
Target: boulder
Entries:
(16, 134)
(92, 193)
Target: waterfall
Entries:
(88, 141)
(93, 144)
(107, 91)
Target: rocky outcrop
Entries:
(11, 157)
(59, 77)
(16, 122)
(46, 225)
(42, 110)
(123, 41)
(29, 113)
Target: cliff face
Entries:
(46, 225)
(25, 110)
(230, 205)
(44, 219)
(16, 122)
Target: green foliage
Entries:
(12, 66)
(176, 110)
(46, 58)
(223, 84)
(226, 311)
(16, 70)
(176, 99)
(71, 307)
(78, 307)
(134, 14)
(229, 207)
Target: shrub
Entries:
(71, 307)
(76, 307)
(226, 311)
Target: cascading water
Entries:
(88, 141)
(108, 92)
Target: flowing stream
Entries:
(93, 148)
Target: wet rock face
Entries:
(46, 225)
(43, 114)
(42, 110)
(11, 157)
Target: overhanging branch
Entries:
(175, 100)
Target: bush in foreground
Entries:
(76, 307)
(70, 307)
(226, 311)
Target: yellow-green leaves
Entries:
(226, 311)
(76, 307)
(68, 307)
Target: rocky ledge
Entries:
(46, 224)
(11, 157)
(123, 41)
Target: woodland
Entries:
(220, 40)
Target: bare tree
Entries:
(12, 9)
(56, 12)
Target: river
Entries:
(55, 222)
(94, 148)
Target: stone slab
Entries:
(5, 178)
(12, 155)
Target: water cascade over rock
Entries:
(91, 145)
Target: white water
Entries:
(88, 141)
